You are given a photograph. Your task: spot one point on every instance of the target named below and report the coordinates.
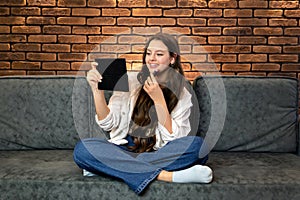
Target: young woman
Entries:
(149, 125)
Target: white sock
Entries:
(87, 173)
(194, 174)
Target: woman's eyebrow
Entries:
(157, 50)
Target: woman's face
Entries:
(158, 57)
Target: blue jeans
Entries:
(137, 170)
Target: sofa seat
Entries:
(52, 174)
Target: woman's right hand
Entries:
(93, 77)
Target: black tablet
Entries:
(114, 74)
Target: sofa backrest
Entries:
(257, 114)
(44, 112)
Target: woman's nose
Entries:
(152, 57)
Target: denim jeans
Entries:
(137, 170)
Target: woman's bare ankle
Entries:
(165, 176)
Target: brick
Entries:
(131, 21)
(86, 30)
(206, 67)
(145, 30)
(253, 4)
(56, 47)
(26, 65)
(26, 29)
(162, 3)
(283, 40)
(283, 22)
(132, 57)
(292, 31)
(56, 66)
(4, 11)
(12, 20)
(284, 74)
(12, 56)
(208, 13)
(115, 48)
(206, 48)
(116, 12)
(13, 38)
(237, 31)
(101, 21)
(283, 58)
(136, 66)
(137, 48)
(41, 2)
(221, 40)
(41, 56)
(221, 22)
(291, 49)
(251, 74)
(4, 65)
(86, 12)
(193, 58)
(57, 29)
(41, 73)
(177, 30)
(12, 72)
(284, 4)
(192, 3)
(146, 12)
(191, 21)
(185, 49)
(192, 75)
(222, 4)
(71, 39)
(26, 11)
(291, 67)
(80, 65)
(56, 11)
(251, 40)
(222, 58)
(40, 20)
(252, 22)
(42, 38)
(236, 49)
(292, 13)
(72, 56)
(132, 39)
(13, 3)
(252, 58)
(178, 12)
(237, 13)
(102, 3)
(115, 30)
(192, 40)
(268, 13)
(71, 3)
(131, 4)
(4, 47)
(101, 39)
(85, 48)
(26, 47)
(265, 67)
(267, 49)
(4, 29)
(161, 21)
(206, 31)
(71, 20)
(236, 67)
(267, 31)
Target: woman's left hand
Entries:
(152, 88)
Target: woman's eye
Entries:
(148, 54)
(160, 54)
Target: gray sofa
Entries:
(252, 120)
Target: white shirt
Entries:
(121, 105)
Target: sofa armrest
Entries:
(298, 137)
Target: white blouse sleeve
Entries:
(180, 119)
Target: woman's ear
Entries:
(173, 59)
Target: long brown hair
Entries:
(144, 117)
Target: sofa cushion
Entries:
(256, 114)
(44, 112)
(52, 174)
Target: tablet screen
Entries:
(114, 74)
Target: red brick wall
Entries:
(238, 37)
